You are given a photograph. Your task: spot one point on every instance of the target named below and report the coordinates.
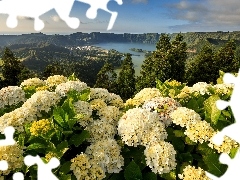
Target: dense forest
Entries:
(172, 59)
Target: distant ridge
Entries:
(80, 38)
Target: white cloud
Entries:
(207, 13)
(56, 18)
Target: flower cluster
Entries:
(86, 169)
(160, 157)
(63, 88)
(13, 154)
(30, 110)
(33, 82)
(184, 117)
(142, 96)
(106, 153)
(141, 127)
(40, 127)
(223, 89)
(191, 173)
(84, 112)
(110, 113)
(199, 131)
(11, 95)
(226, 146)
(164, 106)
(55, 80)
(101, 129)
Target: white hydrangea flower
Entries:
(184, 117)
(163, 106)
(63, 88)
(140, 127)
(106, 153)
(11, 95)
(55, 80)
(223, 89)
(201, 131)
(33, 82)
(84, 111)
(101, 129)
(30, 110)
(86, 169)
(144, 95)
(192, 173)
(100, 93)
(160, 157)
(201, 88)
(226, 146)
(110, 113)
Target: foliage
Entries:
(13, 71)
(126, 78)
(166, 62)
(206, 65)
(91, 132)
(107, 78)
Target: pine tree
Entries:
(107, 78)
(166, 62)
(11, 69)
(179, 57)
(202, 68)
(225, 58)
(126, 78)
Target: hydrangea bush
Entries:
(160, 133)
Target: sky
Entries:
(139, 16)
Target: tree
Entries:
(179, 57)
(107, 78)
(12, 69)
(202, 68)
(166, 62)
(126, 78)
(225, 59)
(205, 67)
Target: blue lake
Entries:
(137, 57)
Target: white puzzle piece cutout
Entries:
(231, 131)
(101, 4)
(8, 141)
(44, 170)
(35, 8)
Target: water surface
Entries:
(137, 57)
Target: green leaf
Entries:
(169, 176)
(65, 177)
(85, 95)
(36, 146)
(150, 176)
(62, 148)
(77, 139)
(189, 141)
(192, 104)
(65, 168)
(213, 164)
(178, 144)
(211, 108)
(132, 172)
(58, 112)
(226, 113)
(186, 157)
(21, 139)
(179, 133)
(233, 152)
(117, 176)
